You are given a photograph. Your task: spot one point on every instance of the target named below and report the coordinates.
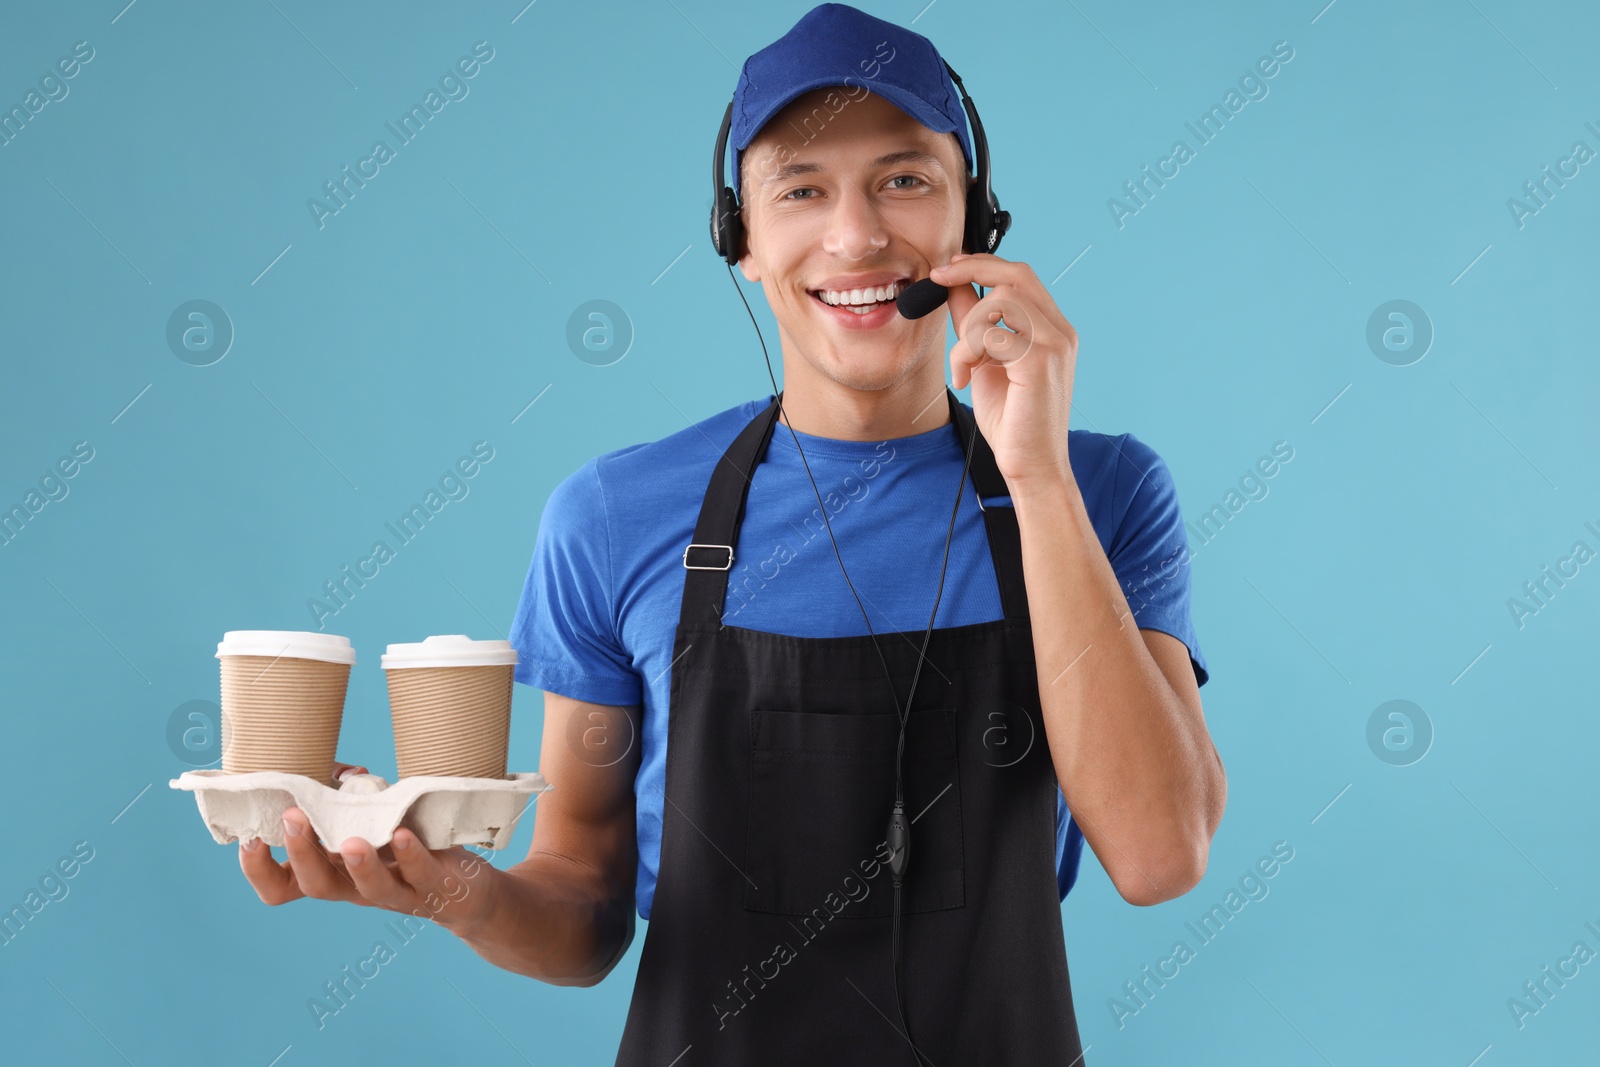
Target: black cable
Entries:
(897, 819)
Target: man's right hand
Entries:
(451, 886)
(565, 915)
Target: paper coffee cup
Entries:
(450, 700)
(282, 700)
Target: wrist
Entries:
(1052, 489)
(485, 892)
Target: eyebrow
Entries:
(910, 155)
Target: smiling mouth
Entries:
(861, 302)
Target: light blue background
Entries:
(426, 315)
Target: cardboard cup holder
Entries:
(450, 704)
(442, 812)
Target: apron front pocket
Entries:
(821, 792)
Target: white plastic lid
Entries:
(449, 650)
(296, 644)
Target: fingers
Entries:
(396, 877)
(372, 878)
(444, 885)
(422, 868)
(340, 770)
(963, 297)
(987, 270)
(1006, 278)
(273, 882)
(983, 336)
(975, 320)
(984, 341)
(314, 872)
(963, 362)
(358, 872)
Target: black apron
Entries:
(769, 937)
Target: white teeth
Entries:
(870, 295)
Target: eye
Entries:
(790, 194)
(905, 178)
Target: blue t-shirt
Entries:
(600, 605)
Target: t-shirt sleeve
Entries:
(565, 628)
(1149, 550)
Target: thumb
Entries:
(963, 298)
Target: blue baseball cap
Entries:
(836, 44)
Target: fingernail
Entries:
(249, 844)
(290, 828)
(348, 771)
(401, 842)
(356, 859)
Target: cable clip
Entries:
(899, 841)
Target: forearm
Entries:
(553, 920)
(1134, 760)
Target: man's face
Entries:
(844, 191)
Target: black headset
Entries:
(985, 223)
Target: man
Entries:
(728, 627)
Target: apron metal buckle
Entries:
(697, 567)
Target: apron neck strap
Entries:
(708, 559)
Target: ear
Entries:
(747, 262)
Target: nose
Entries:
(855, 229)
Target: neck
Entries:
(816, 405)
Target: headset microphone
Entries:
(920, 298)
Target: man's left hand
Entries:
(1021, 376)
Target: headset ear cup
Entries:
(1002, 223)
(727, 228)
(735, 236)
(980, 220)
